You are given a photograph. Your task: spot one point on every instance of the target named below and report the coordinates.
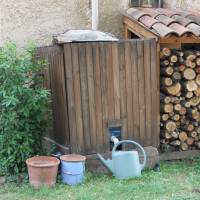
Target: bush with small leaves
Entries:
(24, 110)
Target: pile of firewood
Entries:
(180, 100)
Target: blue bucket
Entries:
(72, 169)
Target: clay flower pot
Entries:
(42, 171)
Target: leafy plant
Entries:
(24, 113)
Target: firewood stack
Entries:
(180, 100)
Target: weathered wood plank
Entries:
(116, 82)
(84, 97)
(147, 75)
(90, 75)
(123, 94)
(142, 106)
(177, 155)
(97, 94)
(155, 97)
(70, 97)
(129, 91)
(110, 91)
(104, 89)
(77, 94)
(135, 134)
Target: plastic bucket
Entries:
(72, 169)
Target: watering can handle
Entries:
(136, 144)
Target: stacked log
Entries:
(180, 100)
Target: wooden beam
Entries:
(177, 155)
(180, 40)
(47, 142)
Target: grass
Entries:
(176, 181)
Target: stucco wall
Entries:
(36, 20)
(25, 20)
(183, 4)
(110, 19)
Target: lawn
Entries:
(176, 181)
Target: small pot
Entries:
(42, 171)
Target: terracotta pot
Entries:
(42, 171)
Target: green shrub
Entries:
(24, 113)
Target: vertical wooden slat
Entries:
(157, 43)
(116, 82)
(110, 91)
(97, 93)
(135, 92)
(70, 97)
(90, 75)
(129, 90)
(104, 89)
(77, 94)
(84, 97)
(148, 93)
(141, 78)
(123, 94)
(155, 96)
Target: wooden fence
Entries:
(93, 83)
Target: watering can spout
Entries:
(107, 163)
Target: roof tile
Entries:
(184, 13)
(195, 18)
(165, 22)
(152, 12)
(195, 28)
(167, 12)
(162, 30)
(180, 30)
(182, 20)
(136, 13)
(148, 21)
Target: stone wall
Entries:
(183, 4)
(36, 20)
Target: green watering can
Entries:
(125, 164)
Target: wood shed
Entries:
(178, 37)
(102, 88)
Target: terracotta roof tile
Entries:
(195, 28)
(180, 30)
(195, 18)
(167, 12)
(148, 21)
(165, 22)
(182, 20)
(184, 13)
(152, 12)
(162, 30)
(136, 13)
